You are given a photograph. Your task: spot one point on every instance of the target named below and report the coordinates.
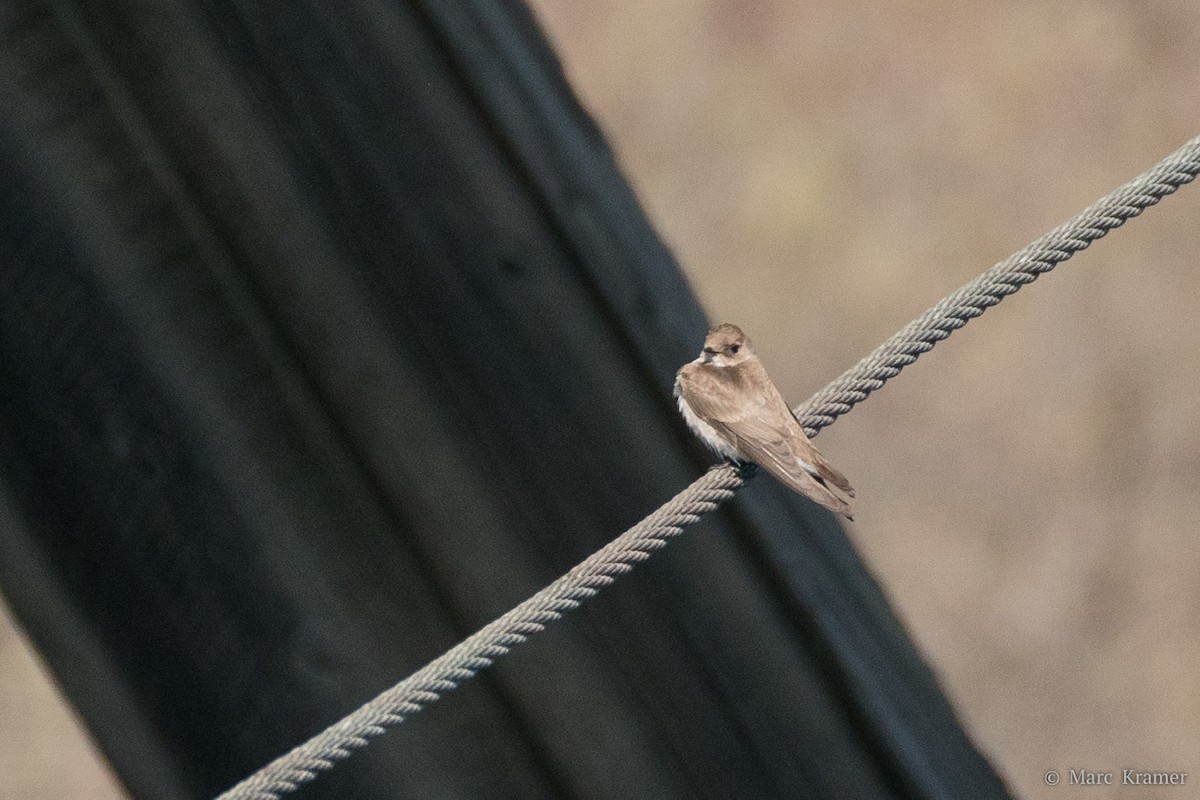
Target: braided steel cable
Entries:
(477, 652)
(992, 286)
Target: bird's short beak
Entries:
(708, 354)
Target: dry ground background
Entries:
(824, 171)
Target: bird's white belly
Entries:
(707, 433)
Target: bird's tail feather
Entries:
(813, 488)
(829, 473)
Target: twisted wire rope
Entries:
(480, 650)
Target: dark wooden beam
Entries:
(328, 332)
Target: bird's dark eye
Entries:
(733, 348)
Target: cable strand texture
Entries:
(480, 650)
(993, 285)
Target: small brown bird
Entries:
(730, 402)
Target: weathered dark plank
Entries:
(328, 334)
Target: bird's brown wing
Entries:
(808, 451)
(775, 451)
(760, 427)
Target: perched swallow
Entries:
(731, 404)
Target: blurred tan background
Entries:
(1027, 492)
(1028, 497)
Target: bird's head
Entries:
(726, 346)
